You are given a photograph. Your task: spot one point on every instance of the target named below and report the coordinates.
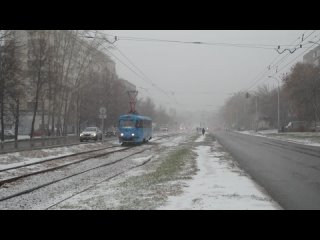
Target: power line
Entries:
(142, 73)
(275, 65)
(152, 83)
(247, 45)
(269, 68)
(229, 44)
(299, 55)
(288, 54)
(143, 77)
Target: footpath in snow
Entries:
(220, 184)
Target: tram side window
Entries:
(139, 124)
(143, 124)
(147, 124)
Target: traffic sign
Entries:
(103, 110)
(103, 116)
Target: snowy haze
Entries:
(199, 77)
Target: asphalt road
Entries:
(289, 172)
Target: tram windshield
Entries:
(127, 123)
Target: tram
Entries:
(134, 128)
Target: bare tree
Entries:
(302, 87)
(37, 56)
(9, 77)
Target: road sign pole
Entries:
(102, 124)
(103, 115)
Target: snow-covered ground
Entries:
(220, 184)
(186, 172)
(306, 138)
(16, 159)
(20, 137)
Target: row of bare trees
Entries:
(302, 89)
(299, 100)
(159, 114)
(60, 65)
(63, 79)
(58, 76)
(11, 85)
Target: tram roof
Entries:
(134, 116)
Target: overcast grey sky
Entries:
(201, 77)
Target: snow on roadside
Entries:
(10, 160)
(305, 138)
(220, 185)
(29, 160)
(16, 159)
(172, 142)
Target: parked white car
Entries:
(8, 134)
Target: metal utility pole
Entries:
(279, 127)
(103, 115)
(256, 114)
(132, 100)
(278, 81)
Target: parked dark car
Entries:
(91, 133)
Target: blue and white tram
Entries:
(134, 128)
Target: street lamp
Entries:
(278, 100)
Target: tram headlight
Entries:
(121, 134)
(132, 134)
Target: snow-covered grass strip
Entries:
(220, 184)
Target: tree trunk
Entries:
(2, 117)
(78, 113)
(42, 118)
(16, 124)
(52, 118)
(65, 118)
(315, 111)
(2, 106)
(35, 111)
(49, 113)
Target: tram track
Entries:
(102, 152)
(8, 175)
(93, 185)
(66, 161)
(67, 177)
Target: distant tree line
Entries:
(299, 100)
(159, 114)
